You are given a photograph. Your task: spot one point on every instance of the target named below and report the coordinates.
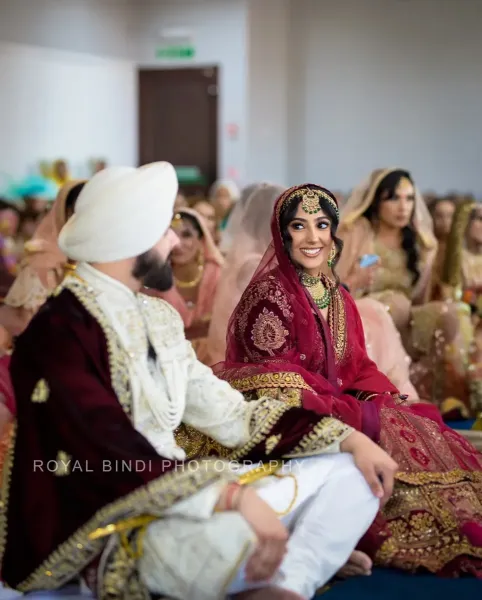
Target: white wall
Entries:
(267, 100)
(219, 31)
(60, 104)
(322, 90)
(67, 86)
(386, 82)
(98, 27)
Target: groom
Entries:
(104, 376)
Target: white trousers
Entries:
(204, 560)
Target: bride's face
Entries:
(310, 240)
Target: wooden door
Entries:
(178, 122)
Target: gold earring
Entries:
(332, 257)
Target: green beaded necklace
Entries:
(318, 291)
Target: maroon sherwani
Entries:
(70, 407)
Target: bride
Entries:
(296, 335)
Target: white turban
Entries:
(120, 213)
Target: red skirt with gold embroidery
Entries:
(433, 521)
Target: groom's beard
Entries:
(153, 272)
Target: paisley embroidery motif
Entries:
(268, 332)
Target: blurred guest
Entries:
(196, 265)
(235, 218)
(223, 195)
(9, 224)
(43, 267)
(442, 211)
(37, 193)
(180, 202)
(251, 236)
(99, 165)
(60, 172)
(207, 212)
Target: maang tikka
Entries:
(311, 202)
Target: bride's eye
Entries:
(296, 226)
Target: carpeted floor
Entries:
(394, 585)
(464, 425)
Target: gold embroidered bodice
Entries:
(393, 273)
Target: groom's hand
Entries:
(272, 535)
(374, 463)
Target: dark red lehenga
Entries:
(280, 344)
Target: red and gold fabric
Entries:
(64, 477)
(278, 340)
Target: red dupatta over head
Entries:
(278, 339)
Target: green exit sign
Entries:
(175, 52)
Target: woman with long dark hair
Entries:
(387, 217)
(296, 335)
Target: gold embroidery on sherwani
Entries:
(325, 433)
(63, 461)
(117, 359)
(272, 442)
(286, 395)
(41, 392)
(196, 444)
(79, 550)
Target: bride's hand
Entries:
(374, 463)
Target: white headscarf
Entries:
(251, 238)
(121, 213)
(230, 185)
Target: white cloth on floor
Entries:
(192, 559)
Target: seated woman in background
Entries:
(36, 193)
(251, 237)
(60, 173)
(43, 265)
(196, 264)
(296, 335)
(41, 271)
(387, 216)
(461, 279)
(208, 213)
(223, 195)
(442, 211)
(226, 237)
(9, 228)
